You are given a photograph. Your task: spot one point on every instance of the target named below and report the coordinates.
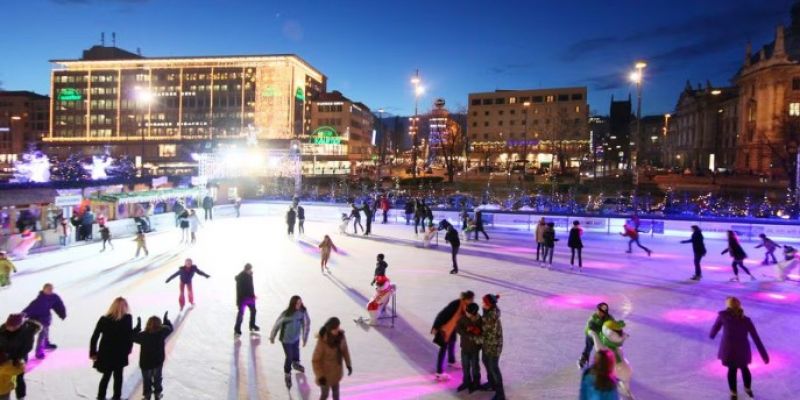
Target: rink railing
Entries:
(526, 221)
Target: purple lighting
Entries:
(757, 367)
(689, 316)
(399, 389)
(776, 297)
(575, 301)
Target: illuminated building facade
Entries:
(23, 122)
(339, 135)
(529, 124)
(161, 110)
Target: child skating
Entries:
(769, 246)
(186, 273)
(343, 225)
(140, 244)
(152, 355)
(325, 253)
(6, 268)
(737, 253)
(105, 234)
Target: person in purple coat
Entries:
(186, 272)
(734, 348)
(40, 311)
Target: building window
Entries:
(474, 124)
(512, 100)
(794, 109)
(513, 112)
(500, 101)
(476, 102)
(166, 150)
(563, 97)
(577, 96)
(500, 123)
(486, 113)
(486, 123)
(538, 99)
(474, 113)
(577, 109)
(486, 136)
(487, 102)
(500, 112)
(550, 99)
(795, 83)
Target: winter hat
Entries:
(491, 298)
(603, 307)
(15, 320)
(614, 325)
(472, 308)
(381, 280)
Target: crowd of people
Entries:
(477, 326)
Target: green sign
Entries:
(300, 94)
(326, 135)
(269, 92)
(69, 94)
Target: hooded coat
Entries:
(734, 348)
(41, 307)
(329, 354)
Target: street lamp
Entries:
(418, 91)
(637, 77)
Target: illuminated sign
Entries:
(69, 94)
(300, 94)
(326, 135)
(269, 92)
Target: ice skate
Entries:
(734, 279)
(442, 377)
(298, 367)
(287, 378)
(462, 387)
(752, 278)
(254, 329)
(750, 393)
(695, 278)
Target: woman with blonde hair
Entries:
(325, 252)
(114, 330)
(734, 348)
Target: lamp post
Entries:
(637, 77)
(418, 91)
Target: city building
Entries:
(769, 103)
(702, 132)
(651, 142)
(23, 122)
(531, 125)
(162, 110)
(340, 134)
(617, 144)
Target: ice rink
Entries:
(543, 312)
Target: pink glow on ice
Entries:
(512, 249)
(689, 316)
(603, 265)
(61, 359)
(715, 268)
(749, 261)
(794, 276)
(776, 297)
(777, 362)
(575, 301)
(400, 389)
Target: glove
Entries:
(322, 381)
(139, 321)
(165, 316)
(349, 370)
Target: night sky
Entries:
(369, 50)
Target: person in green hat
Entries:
(594, 324)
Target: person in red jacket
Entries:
(633, 233)
(385, 208)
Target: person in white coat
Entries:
(194, 225)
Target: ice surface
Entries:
(544, 312)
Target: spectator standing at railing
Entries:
(409, 210)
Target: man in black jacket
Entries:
(208, 207)
(368, 214)
(245, 297)
(16, 341)
(444, 329)
(479, 225)
(455, 243)
(699, 250)
(380, 268)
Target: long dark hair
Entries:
(293, 305)
(603, 371)
(330, 325)
(732, 239)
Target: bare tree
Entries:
(784, 150)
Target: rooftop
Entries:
(22, 93)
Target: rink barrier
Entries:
(748, 230)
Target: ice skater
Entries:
(492, 338)
(612, 337)
(368, 214)
(455, 243)
(429, 214)
(183, 222)
(430, 233)
(737, 253)
(114, 331)
(186, 274)
(790, 262)
(344, 224)
(40, 310)
(16, 341)
(152, 342)
(325, 253)
(237, 206)
(355, 215)
(769, 246)
(380, 268)
(194, 225)
(292, 326)
(9, 371)
(576, 244)
(699, 250)
(444, 331)
(330, 353)
(419, 215)
(594, 324)
(632, 232)
(599, 381)
(208, 207)
(141, 244)
(540, 228)
(301, 219)
(734, 348)
(6, 269)
(105, 234)
(550, 240)
(479, 225)
(291, 216)
(245, 297)
(469, 329)
(384, 208)
(409, 210)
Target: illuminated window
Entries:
(795, 83)
(794, 109)
(550, 99)
(167, 150)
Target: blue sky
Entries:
(369, 49)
